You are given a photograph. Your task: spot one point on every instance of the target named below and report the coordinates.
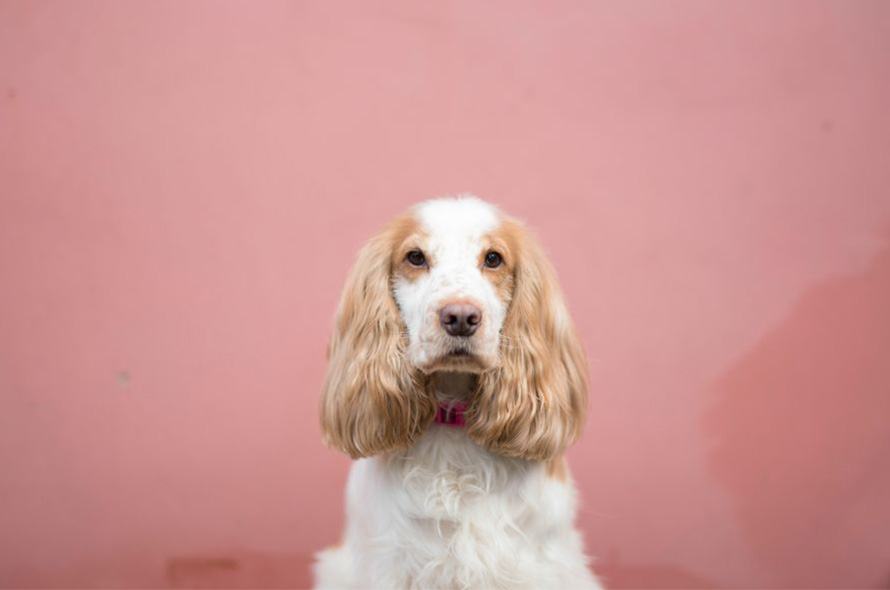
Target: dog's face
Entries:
(452, 279)
(454, 285)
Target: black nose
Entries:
(460, 319)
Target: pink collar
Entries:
(451, 414)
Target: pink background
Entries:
(184, 186)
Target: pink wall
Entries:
(184, 186)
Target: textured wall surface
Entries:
(183, 186)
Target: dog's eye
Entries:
(416, 258)
(493, 260)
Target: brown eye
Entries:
(416, 258)
(493, 260)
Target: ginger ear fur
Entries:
(534, 404)
(373, 401)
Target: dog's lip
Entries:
(456, 359)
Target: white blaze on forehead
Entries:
(460, 218)
(456, 230)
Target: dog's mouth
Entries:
(459, 357)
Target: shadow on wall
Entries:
(803, 435)
(240, 570)
(615, 574)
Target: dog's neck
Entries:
(454, 387)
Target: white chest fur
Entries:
(449, 514)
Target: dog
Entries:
(456, 381)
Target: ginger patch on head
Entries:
(407, 236)
(502, 242)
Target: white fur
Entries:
(448, 513)
(454, 238)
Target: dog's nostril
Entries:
(460, 319)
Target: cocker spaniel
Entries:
(456, 380)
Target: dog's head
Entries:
(454, 286)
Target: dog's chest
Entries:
(448, 478)
(449, 514)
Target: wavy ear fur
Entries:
(372, 401)
(533, 405)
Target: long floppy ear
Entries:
(533, 405)
(372, 401)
